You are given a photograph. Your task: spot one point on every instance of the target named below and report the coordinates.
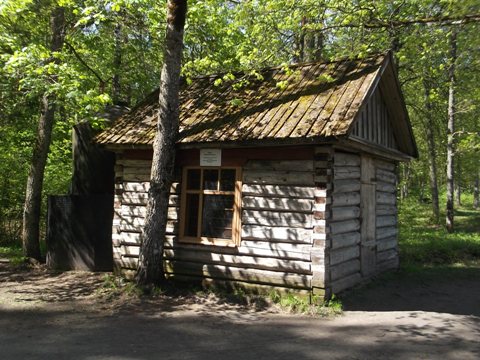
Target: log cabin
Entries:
(285, 177)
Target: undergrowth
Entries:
(303, 305)
(424, 243)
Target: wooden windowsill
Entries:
(208, 241)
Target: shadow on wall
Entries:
(79, 232)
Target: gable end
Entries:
(374, 123)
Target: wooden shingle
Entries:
(307, 101)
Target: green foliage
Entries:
(305, 305)
(12, 252)
(425, 244)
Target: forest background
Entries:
(112, 54)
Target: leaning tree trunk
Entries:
(33, 195)
(432, 154)
(451, 131)
(150, 266)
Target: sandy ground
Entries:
(64, 316)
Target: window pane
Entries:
(193, 179)
(191, 215)
(210, 179)
(227, 181)
(217, 216)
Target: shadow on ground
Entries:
(445, 290)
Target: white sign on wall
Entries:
(210, 157)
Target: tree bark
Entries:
(476, 192)
(117, 63)
(404, 190)
(451, 131)
(150, 266)
(458, 183)
(33, 195)
(432, 153)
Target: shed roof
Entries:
(306, 102)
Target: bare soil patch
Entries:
(45, 315)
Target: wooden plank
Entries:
(273, 218)
(346, 226)
(277, 233)
(386, 187)
(345, 283)
(387, 243)
(125, 238)
(345, 240)
(137, 225)
(386, 232)
(338, 256)
(347, 185)
(136, 163)
(141, 211)
(278, 191)
(346, 172)
(136, 177)
(142, 199)
(345, 213)
(388, 220)
(286, 251)
(130, 250)
(346, 159)
(344, 269)
(387, 255)
(346, 199)
(136, 170)
(129, 263)
(368, 217)
(278, 177)
(241, 261)
(384, 209)
(240, 274)
(144, 186)
(277, 165)
(385, 198)
(386, 176)
(385, 165)
(261, 203)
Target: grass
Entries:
(12, 252)
(423, 243)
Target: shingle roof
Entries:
(317, 100)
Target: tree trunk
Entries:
(432, 154)
(117, 63)
(476, 191)
(33, 195)
(150, 266)
(458, 183)
(405, 180)
(451, 130)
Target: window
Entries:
(210, 208)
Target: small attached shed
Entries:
(285, 179)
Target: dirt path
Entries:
(61, 316)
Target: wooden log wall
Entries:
(386, 211)
(131, 194)
(344, 226)
(277, 227)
